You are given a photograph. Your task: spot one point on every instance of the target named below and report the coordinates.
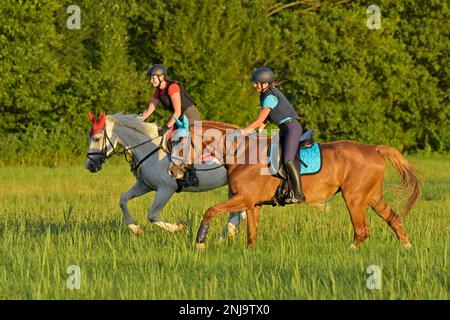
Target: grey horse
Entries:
(149, 161)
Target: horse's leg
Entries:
(379, 205)
(252, 225)
(356, 204)
(235, 203)
(136, 190)
(234, 220)
(162, 196)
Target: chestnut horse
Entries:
(355, 169)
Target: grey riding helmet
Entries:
(157, 69)
(262, 75)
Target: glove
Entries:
(163, 130)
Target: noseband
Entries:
(103, 152)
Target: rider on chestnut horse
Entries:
(276, 108)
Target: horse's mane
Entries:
(223, 126)
(130, 121)
(220, 125)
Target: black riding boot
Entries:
(193, 179)
(294, 176)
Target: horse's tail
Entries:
(410, 186)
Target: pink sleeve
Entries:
(173, 88)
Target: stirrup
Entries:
(293, 198)
(192, 177)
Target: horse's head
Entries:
(180, 146)
(102, 142)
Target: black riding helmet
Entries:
(262, 75)
(157, 69)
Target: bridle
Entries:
(103, 152)
(114, 151)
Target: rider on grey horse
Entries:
(174, 98)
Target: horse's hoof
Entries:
(200, 246)
(407, 245)
(136, 229)
(231, 228)
(353, 247)
(182, 226)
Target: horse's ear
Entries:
(178, 122)
(101, 121)
(185, 122)
(91, 116)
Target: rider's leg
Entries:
(292, 131)
(193, 115)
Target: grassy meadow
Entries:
(51, 218)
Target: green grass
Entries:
(51, 218)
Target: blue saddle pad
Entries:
(311, 160)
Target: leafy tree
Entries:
(381, 86)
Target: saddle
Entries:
(206, 162)
(308, 159)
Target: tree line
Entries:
(346, 80)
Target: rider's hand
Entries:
(163, 130)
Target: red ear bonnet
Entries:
(98, 125)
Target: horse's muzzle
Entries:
(94, 162)
(93, 167)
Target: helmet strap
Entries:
(262, 86)
(159, 82)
